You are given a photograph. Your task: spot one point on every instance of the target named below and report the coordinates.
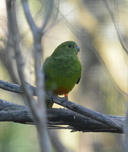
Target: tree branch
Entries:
(90, 113)
(58, 119)
(15, 87)
(39, 112)
(37, 109)
(102, 118)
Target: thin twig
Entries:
(116, 27)
(29, 18)
(49, 9)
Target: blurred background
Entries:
(100, 28)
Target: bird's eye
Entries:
(70, 46)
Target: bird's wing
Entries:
(78, 80)
(46, 66)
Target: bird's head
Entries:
(66, 48)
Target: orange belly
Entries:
(61, 91)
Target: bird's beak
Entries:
(77, 47)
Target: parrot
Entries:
(62, 70)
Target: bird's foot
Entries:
(66, 97)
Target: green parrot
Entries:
(62, 70)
